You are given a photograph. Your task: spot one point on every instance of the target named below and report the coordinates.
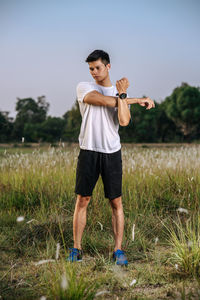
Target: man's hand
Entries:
(122, 85)
(146, 102)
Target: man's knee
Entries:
(82, 201)
(116, 203)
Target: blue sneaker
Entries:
(75, 255)
(120, 258)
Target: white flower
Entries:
(100, 225)
(57, 250)
(133, 232)
(64, 283)
(22, 139)
(20, 219)
(176, 266)
(30, 221)
(43, 261)
(133, 282)
(43, 298)
(101, 293)
(182, 210)
(156, 240)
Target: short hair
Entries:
(98, 54)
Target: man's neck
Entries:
(106, 82)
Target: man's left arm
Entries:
(124, 115)
(123, 104)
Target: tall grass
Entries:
(156, 182)
(185, 242)
(66, 282)
(152, 179)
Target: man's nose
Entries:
(94, 72)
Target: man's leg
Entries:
(79, 219)
(117, 221)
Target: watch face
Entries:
(123, 96)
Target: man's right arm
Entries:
(96, 98)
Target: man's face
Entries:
(98, 70)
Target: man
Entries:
(103, 107)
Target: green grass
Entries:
(38, 183)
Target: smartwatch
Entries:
(123, 96)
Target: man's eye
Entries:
(91, 69)
(97, 68)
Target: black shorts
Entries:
(91, 164)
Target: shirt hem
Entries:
(100, 150)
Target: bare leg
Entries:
(79, 219)
(117, 221)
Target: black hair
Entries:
(96, 54)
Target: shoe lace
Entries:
(120, 253)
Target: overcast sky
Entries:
(44, 44)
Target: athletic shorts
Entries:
(91, 164)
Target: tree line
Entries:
(176, 119)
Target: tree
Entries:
(166, 128)
(183, 108)
(73, 124)
(29, 112)
(51, 130)
(6, 126)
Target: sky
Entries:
(44, 44)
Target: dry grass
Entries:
(39, 185)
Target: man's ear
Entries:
(108, 66)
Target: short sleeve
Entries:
(83, 88)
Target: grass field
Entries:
(161, 196)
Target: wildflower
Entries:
(57, 250)
(100, 225)
(30, 221)
(156, 240)
(101, 293)
(133, 232)
(182, 210)
(133, 282)
(64, 283)
(176, 266)
(43, 298)
(43, 261)
(20, 219)
(22, 139)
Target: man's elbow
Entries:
(95, 98)
(124, 123)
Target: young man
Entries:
(103, 107)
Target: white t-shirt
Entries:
(99, 128)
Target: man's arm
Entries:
(124, 115)
(142, 101)
(96, 98)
